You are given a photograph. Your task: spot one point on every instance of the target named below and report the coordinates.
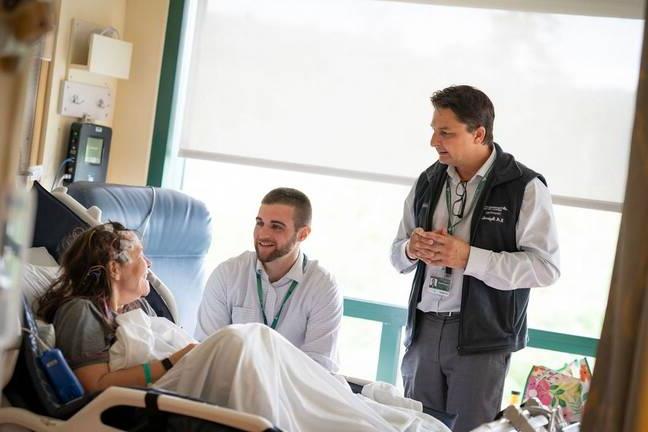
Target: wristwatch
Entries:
(167, 363)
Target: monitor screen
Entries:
(94, 149)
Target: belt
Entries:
(443, 314)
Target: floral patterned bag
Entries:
(579, 369)
(566, 388)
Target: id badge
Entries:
(439, 285)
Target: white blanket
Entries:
(388, 394)
(254, 369)
(141, 338)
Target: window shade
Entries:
(346, 85)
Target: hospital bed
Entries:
(33, 403)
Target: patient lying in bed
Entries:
(245, 367)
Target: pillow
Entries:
(46, 333)
(40, 256)
(36, 280)
(39, 273)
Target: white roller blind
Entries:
(346, 85)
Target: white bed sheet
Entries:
(254, 369)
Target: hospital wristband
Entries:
(147, 374)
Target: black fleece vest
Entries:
(491, 320)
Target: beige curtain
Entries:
(618, 399)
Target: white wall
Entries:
(56, 127)
(141, 22)
(136, 102)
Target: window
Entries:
(332, 97)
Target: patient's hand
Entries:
(175, 357)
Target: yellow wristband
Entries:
(147, 374)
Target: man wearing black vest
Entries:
(479, 230)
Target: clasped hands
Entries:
(438, 248)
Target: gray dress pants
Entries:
(434, 373)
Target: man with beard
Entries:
(277, 284)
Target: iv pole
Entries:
(22, 25)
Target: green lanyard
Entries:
(293, 285)
(480, 186)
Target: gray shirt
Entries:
(82, 333)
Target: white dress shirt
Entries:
(310, 319)
(536, 263)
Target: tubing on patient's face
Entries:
(130, 281)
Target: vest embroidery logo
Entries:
(494, 213)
